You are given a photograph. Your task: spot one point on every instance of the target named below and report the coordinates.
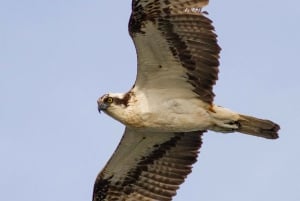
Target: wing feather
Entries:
(175, 40)
(147, 166)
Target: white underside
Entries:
(175, 115)
(180, 112)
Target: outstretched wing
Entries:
(147, 166)
(176, 46)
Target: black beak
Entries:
(102, 106)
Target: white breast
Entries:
(157, 112)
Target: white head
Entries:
(114, 104)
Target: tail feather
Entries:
(258, 127)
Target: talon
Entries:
(236, 123)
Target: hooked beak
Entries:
(102, 106)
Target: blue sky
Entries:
(58, 57)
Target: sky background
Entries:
(57, 57)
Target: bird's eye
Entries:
(109, 100)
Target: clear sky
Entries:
(57, 57)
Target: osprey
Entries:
(170, 105)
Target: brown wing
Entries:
(176, 46)
(147, 166)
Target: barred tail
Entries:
(258, 127)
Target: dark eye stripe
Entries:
(124, 101)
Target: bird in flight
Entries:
(170, 105)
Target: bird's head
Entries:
(112, 104)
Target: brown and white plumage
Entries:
(147, 166)
(170, 104)
(173, 37)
